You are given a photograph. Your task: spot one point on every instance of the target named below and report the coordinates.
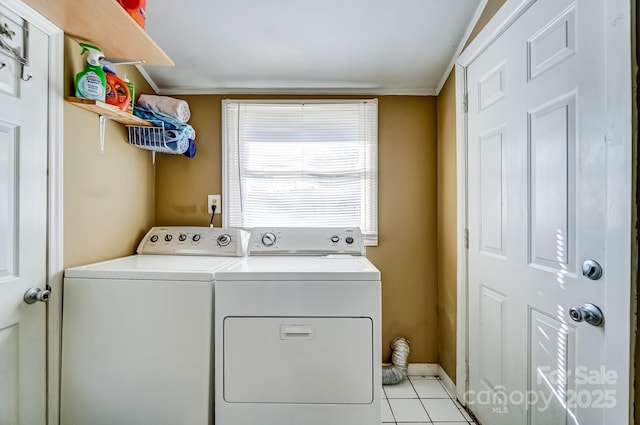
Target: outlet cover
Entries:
(214, 200)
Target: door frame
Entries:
(55, 265)
(621, 187)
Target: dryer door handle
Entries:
(296, 332)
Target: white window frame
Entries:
(371, 238)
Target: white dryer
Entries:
(137, 331)
(297, 331)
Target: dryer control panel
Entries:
(192, 240)
(306, 241)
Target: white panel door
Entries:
(537, 205)
(23, 226)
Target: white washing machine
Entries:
(297, 331)
(137, 331)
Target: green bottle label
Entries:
(90, 86)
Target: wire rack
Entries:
(150, 138)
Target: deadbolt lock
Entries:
(591, 269)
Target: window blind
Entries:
(301, 164)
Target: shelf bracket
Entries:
(118, 61)
(103, 121)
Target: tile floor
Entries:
(421, 400)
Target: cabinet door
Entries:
(315, 360)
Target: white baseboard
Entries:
(423, 369)
(433, 369)
(447, 382)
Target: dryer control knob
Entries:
(196, 238)
(168, 238)
(268, 239)
(154, 238)
(335, 238)
(224, 240)
(349, 240)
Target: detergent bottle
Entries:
(91, 83)
(135, 8)
(117, 92)
(132, 94)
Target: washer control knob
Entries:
(224, 240)
(196, 238)
(168, 238)
(182, 237)
(349, 240)
(335, 238)
(268, 239)
(154, 238)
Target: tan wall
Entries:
(108, 198)
(446, 164)
(447, 236)
(406, 254)
(489, 10)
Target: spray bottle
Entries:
(92, 82)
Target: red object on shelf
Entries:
(135, 8)
(117, 92)
(130, 4)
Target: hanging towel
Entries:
(167, 105)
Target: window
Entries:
(287, 163)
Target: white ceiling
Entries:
(289, 46)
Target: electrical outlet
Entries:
(214, 200)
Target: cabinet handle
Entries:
(296, 332)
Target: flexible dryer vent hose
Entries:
(397, 370)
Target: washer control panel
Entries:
(306, 241)
(191, 240)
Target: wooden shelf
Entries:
(107, 110)
(103, 23)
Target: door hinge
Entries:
(466, 238)
(465, 103)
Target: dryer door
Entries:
(311, 360)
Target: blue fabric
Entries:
(191, 152)
(177, 135)
(168, 141)
(176, 141)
